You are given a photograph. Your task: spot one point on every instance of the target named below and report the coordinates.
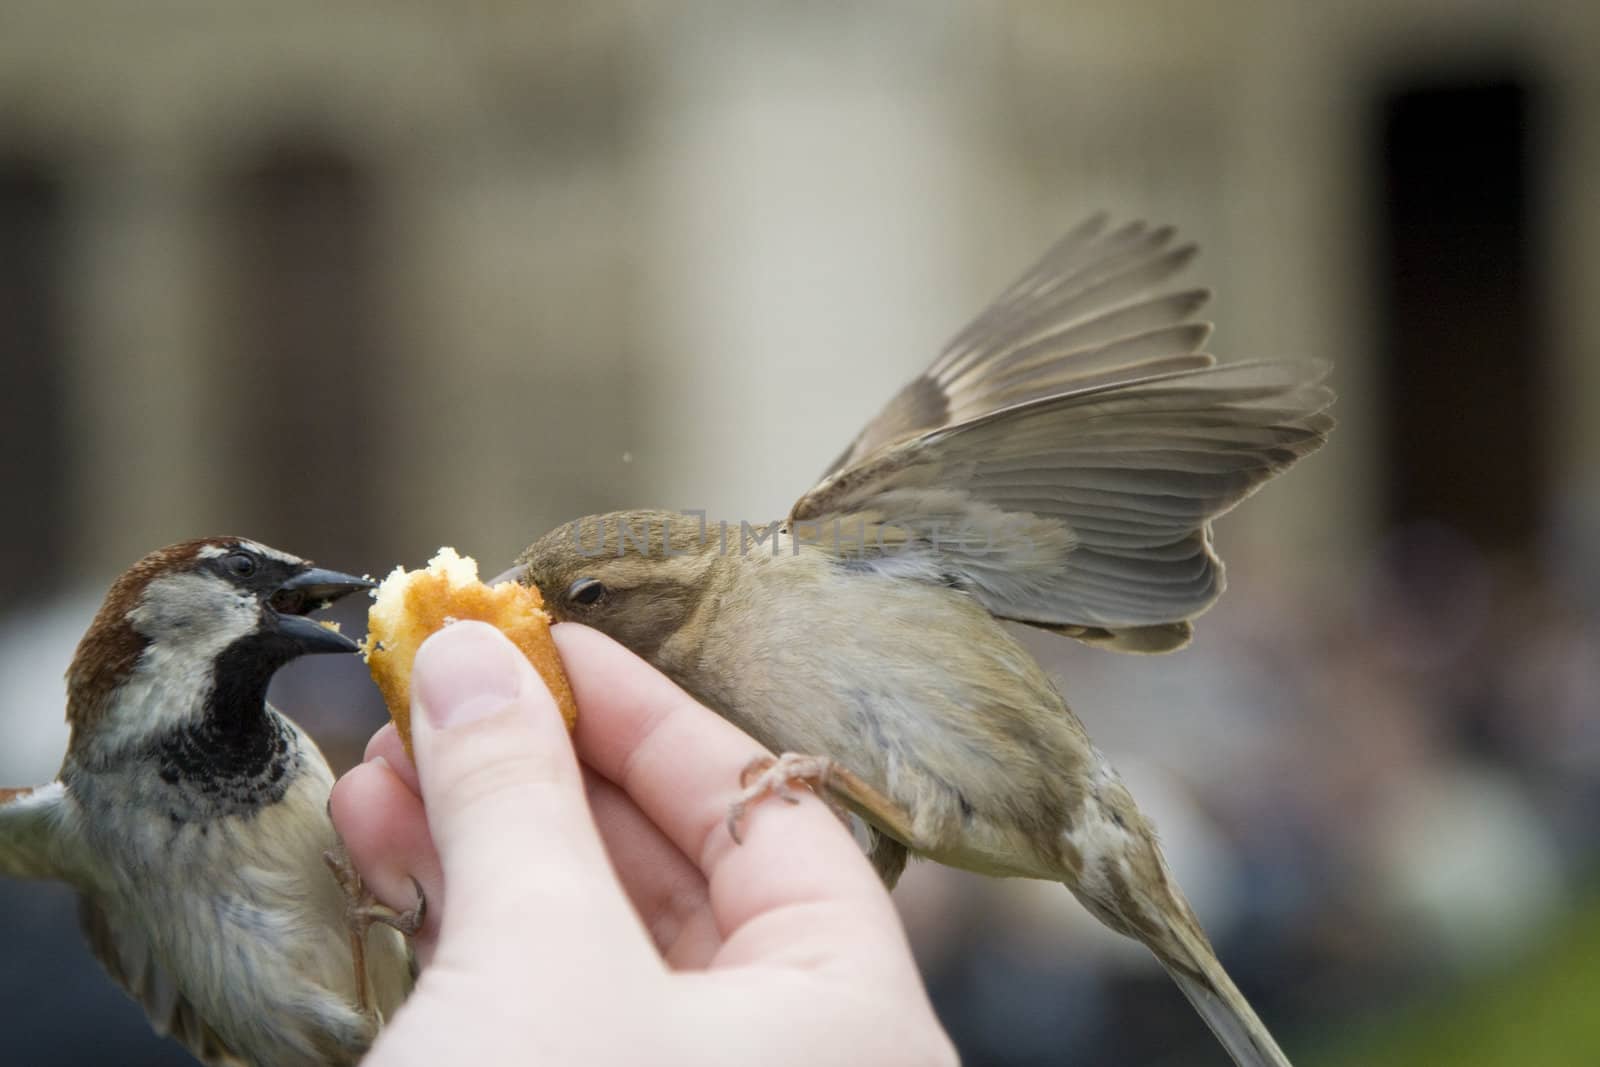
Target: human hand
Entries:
(604, 914)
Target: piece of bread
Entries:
(410, 605)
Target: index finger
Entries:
(681, 763)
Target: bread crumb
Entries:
(409, 606)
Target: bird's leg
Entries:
(363, 910)
(838, 787)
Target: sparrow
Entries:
(1059, 465)
(191, 815)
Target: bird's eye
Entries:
(586, 591)
(240, 564)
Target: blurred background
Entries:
(362, 279)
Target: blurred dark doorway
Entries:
(307, 362)
(34, 451)
(1461, 332)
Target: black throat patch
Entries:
(240, 756)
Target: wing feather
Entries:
(1083, 316)
(38, 833)
(124, 951)
(1090, 509)
(1064, 456)
(39, 838)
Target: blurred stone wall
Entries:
(676, 255)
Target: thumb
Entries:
(505, 802)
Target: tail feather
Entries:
(1123, 879)
(1223, 1007)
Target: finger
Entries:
(667, 891)
(377, 808)
(380, 817)
(681, 764)
(384, 829)
(524, 870)
(387, 744)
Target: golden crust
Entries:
(411, 605)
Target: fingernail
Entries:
(380, 761)
(464, 672)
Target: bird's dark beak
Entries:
(518, 574)
(312, 590)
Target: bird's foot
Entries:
(363, 910)
(776, 776)
(366, 910)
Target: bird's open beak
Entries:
(309, 591)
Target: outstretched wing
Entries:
(1089, 511)
(39, 838)
(38, 833)
(123, 949)
(1083, 315)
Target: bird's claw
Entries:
(363, 910)
(776, 776)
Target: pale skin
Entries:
(586, 903)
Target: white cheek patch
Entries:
(195, 610)
(189, 619)
(167, 688)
